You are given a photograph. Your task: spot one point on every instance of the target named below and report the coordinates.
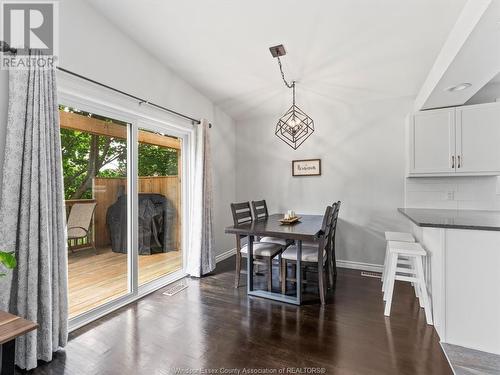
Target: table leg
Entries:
(8, 357)
(298, 276)
(250, 264)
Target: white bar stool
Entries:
(394, 236)
(413, 274)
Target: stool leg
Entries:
(385, 286)
(384, 270)
(423, 290)
(391, 278)
(416, 285)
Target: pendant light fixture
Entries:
(295, 126)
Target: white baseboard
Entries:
(340, 263)
(225, 255)
(360, 266)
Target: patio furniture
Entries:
(156, 224)
(79, 220)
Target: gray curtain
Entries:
(201, 257)
(32, 218)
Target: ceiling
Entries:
(470, 55)
(342, 52)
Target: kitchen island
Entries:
(462, 273)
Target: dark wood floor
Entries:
(212, 325)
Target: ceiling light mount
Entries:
(278, 50)
(295, 126)
(459, 87)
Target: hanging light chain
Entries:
(289, 85)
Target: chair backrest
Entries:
(326, 229)
(335, 218)
(241, 212)
(80, 215)
(259, 209)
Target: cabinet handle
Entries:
(459, 164)
(452, 161)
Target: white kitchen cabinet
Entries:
(433, 141)
(455, 141)
(478, 138)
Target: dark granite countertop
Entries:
(453, 219)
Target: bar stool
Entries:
(394, 236)
(415, 254)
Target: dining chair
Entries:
(263, 252)
(332, 254)
(312, 256)
(260, 212)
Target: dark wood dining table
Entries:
(307, 229)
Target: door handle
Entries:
(459, 162)
(452, 161)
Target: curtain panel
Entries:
(201, 256)
(32, 216)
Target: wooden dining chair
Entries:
(263, 252)
(260, 212)
(332, 254)
(312, 256)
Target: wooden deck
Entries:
(96, 279)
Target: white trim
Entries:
(340, 263)
(360, 266)
(226, 254)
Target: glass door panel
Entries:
(94, 154)
(159, 205)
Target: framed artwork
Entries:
(310, 167)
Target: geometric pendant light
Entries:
(295, 126)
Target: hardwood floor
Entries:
(212, 325)
(98, 278)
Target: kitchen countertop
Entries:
(453, 219)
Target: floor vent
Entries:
(175, 288)
(376, 275)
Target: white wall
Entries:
(91, 46)
(362, 149)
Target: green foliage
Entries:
(77, 161)
(86, 156)
(8, 260)
(157, 161)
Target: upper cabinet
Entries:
(455, 141)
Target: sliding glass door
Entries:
(159, 204)
(124, 189)
(95, 164)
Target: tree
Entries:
(86, 156)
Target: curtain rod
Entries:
(4, 47)
(140, 100)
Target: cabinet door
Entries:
(478, 138)
(432, 142)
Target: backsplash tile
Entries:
(479, 193)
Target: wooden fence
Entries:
(106, 192)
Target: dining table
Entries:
(307, 228)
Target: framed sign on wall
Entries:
(310, 167)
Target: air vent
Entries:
(175, 288)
